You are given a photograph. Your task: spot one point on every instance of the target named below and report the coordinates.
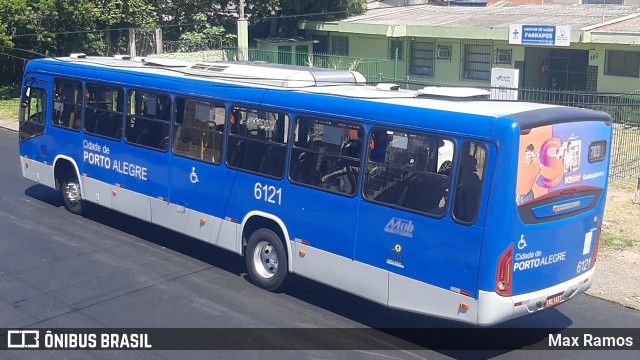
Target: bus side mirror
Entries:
(25, 97)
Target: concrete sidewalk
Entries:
(8, 124)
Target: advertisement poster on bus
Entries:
(561, 156)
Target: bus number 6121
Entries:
(583, 265)
(268, 193)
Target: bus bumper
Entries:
(493, 308)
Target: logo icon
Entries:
(400, 227)
(395, 256)
(21, 339)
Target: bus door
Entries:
(322, 205)
(35, 114)
(404, 224)
(66, 136)
(136, 169)
(199, 185)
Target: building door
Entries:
(556, 69)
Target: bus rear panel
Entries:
(549, 252)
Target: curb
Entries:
(9, 125)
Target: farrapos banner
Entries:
(548, 35)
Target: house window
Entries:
(421, 58)
(340, 45)
(622, 63)
(395, 44)
(477, 62)
(320, 44)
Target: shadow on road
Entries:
(405, 330)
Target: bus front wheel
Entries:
(71, 195)
(266, 259)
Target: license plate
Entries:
(554, 300)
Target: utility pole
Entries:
(132, 42)
(243, 35)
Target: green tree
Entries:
(116, 17)
(48, 26)
(204, 35)
(69, 28)
(198, 18)
(281, 19)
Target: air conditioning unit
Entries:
(443, 53)
(503, 57)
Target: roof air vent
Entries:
(164, 62)
(387, 87)
(78, 55)
(453, 92)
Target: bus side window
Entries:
(67, 104)
(199, 129)
(103, 110)
(33, 112)
(258, 141)
(402, 171)
(147, 122)
(327, 154)
(468, 190)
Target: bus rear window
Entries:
(561, 169)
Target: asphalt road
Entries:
(107, 270)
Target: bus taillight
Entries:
(503, 275)
(595, 248)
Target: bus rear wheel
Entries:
(71, 195)
(266, 260)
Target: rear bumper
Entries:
(493, 308)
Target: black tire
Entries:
(266, 259)
(72, 196)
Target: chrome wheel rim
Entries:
(265, 259)
(72, 194)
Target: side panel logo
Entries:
(400, 227)
(395, 256)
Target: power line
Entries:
(301, 15)
(23, 50)
(12, 56)
(253, 19)
(102, 30)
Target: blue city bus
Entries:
(435, 202)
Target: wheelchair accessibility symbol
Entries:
(522, 244)
(194, 176)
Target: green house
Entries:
(288, 51)
(578, 47)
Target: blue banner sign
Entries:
(549, 35)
